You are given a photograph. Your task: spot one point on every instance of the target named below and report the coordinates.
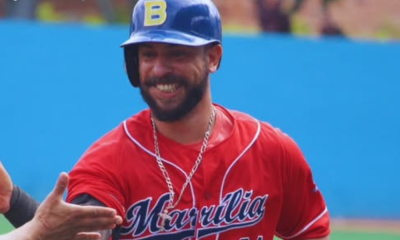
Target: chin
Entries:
(171, 114)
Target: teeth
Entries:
(167, 87)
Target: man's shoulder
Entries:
(265, 128)
(114, 139)
(265, 137)
(138, 121)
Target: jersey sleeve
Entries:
(98, 174)
(304, 214)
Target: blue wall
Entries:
(63, 86)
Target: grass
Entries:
(5, 226)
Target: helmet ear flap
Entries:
(132, 64)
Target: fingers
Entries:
(94, 211)
(94, 228)
(94, 218)
(89, 224)
(118, 220)
(87, 236)
(4, 176)
(97, 224)
(2, 169)
(6, 188)
(61, 186)
(104, 222)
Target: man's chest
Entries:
(227, 198)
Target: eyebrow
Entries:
(146, 45)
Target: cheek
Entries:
(143, 71)
(195, 71)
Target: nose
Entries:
(161, 67)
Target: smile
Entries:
(168, 88)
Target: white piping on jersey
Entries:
(236, 160)
(162, 159)
(306, 227)
(123, 208)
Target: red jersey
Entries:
(253, 184)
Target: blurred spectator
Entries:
(328, 26)
(272, 17)
(108, 10)
(20, 9)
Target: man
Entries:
(55, 219)
(187, 168)
(272, 18)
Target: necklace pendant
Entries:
(164, 218)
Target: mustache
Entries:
(170, 79)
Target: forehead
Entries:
(165, 46)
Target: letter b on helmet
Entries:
(155, 13)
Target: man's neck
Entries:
(191, 129)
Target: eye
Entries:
(178, 54)
(147, 54)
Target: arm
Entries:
(26, 232)
(17, 206)
(22, 208)
(87, 200)
(98, 177)
(6, 189)
(58, 220)
(304, 214)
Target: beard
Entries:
(194, 93)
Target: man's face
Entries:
(173, 78)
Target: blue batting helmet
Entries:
(183, 22)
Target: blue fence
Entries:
(63, 86)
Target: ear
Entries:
(214, 54)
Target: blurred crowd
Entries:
(274, 17)
(373, 19)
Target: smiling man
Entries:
(188, 168)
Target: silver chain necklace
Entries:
(164, 216)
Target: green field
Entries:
(336, 235)
(5, 226)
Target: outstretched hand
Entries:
(6, 189)
(57, 220)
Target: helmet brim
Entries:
(166, 36)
